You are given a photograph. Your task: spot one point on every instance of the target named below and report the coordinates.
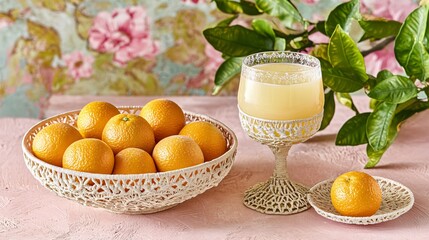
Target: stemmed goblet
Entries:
(280, 101)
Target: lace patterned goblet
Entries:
(280, 101)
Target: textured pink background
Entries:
(29, 211)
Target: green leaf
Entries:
(373, 103)
(353, 132)
(237, 41)
(378, 29)
(416, 106)
(230, 7)
(226, 71)
(8, 17)
(226, 21)
(321, 51)
(340, 81)
(50, 38)
(60, 80)
(263, 27)
(279, 44)
(54, 5)
(410, 50)
(374, 156)
(342, 15)
(343, 53)
(396, 89)
(377, 126)
(141, 82)
(320, 26)
(324, 64)
(76, 2)
(83, 23)
(409, 108)
(381, 76)
(346, 100)
(249, 8)
(300, 42)
(281, 9)
(328, 110)
(384, 74)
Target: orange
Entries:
(133, 161)
(93, 117)
(208, 137)
(356, 194)
(89, 155)
(164, 116)
(128, 130)
(50, 143)
(176, 152)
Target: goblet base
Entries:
(277, 196)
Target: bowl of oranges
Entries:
(129, 159)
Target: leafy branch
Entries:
(379, 46)
(278, 25)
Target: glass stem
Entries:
(280, 153)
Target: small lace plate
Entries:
(397, 200)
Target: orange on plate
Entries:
(89, 155)
(356, 194)
(208, 137)
(133, 161)
(93, 117)
(176, 152)
(128, 130)
(50, 143)
(164, 116)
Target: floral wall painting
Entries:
(128, 47)
(125, 33)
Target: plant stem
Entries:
(379, 46)
(313, 30)
(404, 105)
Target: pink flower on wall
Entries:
(214, 59)
(125, 33)
(192, 1)
(79, 65)
(318, 37)
(4, 22)
(391, 9)
(383, 59)
(310, 2)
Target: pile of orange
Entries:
(108, 142)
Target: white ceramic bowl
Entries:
(134, 193)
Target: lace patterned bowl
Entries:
(397, 200)
(130, 194)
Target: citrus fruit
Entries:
(93, 117)
(133, 161)
(176, 152)
(164, 116)
(128, 130)
(208, 137)
(89, 155)
(356, 194)
(50, 143)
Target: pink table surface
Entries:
(29, 211)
